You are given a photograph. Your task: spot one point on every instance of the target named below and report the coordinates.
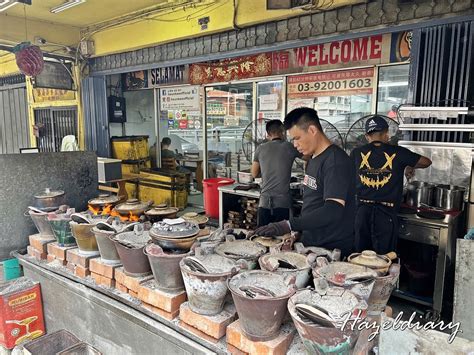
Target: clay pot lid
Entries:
(267, 241)
(174, 231)
(195, 217)
(263, 283)
(240, 249)
(48, 193)
(370, 259)
(161, 210)
(131, 205)
(135, 239)
(294, 259)
(351, 272)
(104, 199)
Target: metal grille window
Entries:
(52, 125)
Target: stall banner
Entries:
(336, 83)
(373, 50)
(184, 98)
(47, 95)
(231, 69)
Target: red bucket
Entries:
(211, 194)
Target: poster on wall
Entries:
(336, 83)
(185, 98)
(268, 102)
(47, 95)
(135, 80)
(292, 104)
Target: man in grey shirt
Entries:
(273, 161)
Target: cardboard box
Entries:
(21, 312)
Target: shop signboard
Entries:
(55, 76)
(335, 83)
(177, 74)
(183, 98)
(48, 95)
(231, 69)
(373, 50)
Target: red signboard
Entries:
(231, 69)
(340, 83)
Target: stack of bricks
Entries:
(58, 253)
(128, 284)
(38, 247)
(235, 220)
(78, 263)
(102, 273)
(238, 343)
(163, 303)
(211, 328)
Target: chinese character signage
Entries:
(231, 69)
(378, 49)
(340, 83)
(47, 95)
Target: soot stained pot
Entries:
(180, 236)
(130, 246)
(40, 220)
(132, 206)
(160, 212)
(85, 238)
(196, 218)
(370, 259)
(241, 249)
(104, 200)
(49, 200)
(289, 265)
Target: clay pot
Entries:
(85, 238)
(107, 250)
(49, 200)
(273, 262)
(260, 317)
(130, 247)
(241, 249)
(207, 291)
(132, 206)
(382, 290)
(104, 200)
(160, 212)
(196, 218)
(165, 267)
(370, 259)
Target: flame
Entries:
(95, 210)
(133, 218)
(107, 210)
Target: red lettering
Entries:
(323, 57)
(333, 55)
(346, 51)
(360, 49)
(312, 61)
(300, 54)
(375, 47)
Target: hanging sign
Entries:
(46, 95)
(231, 69)
(54, 76)
(184, 98)
(336, 83)
(373, 50)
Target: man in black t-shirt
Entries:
(327, 216)
(379, 187)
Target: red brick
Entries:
(121, 287)
(96, 265)
(133, 293)
(169, 302)
(81, 272)
(74, 256)
(105, 281)
(37, 254)
(30, 251)
(214, 326)
(276, 346)
(50, 258)
(197, 332)
(71, 267)
(132, 283)
(234, 351)
(40, 243)
(160, 312)
(58, 251)
(96, 277)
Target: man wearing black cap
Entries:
(379, 186)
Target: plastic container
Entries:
(211, 194)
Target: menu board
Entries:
(55, 76)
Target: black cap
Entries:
(375, 124)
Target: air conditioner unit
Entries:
(287, 4)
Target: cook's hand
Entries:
(409, 172)
(273, 229)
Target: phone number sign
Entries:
(335, 83)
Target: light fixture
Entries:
(6, 4)
(65, 6)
